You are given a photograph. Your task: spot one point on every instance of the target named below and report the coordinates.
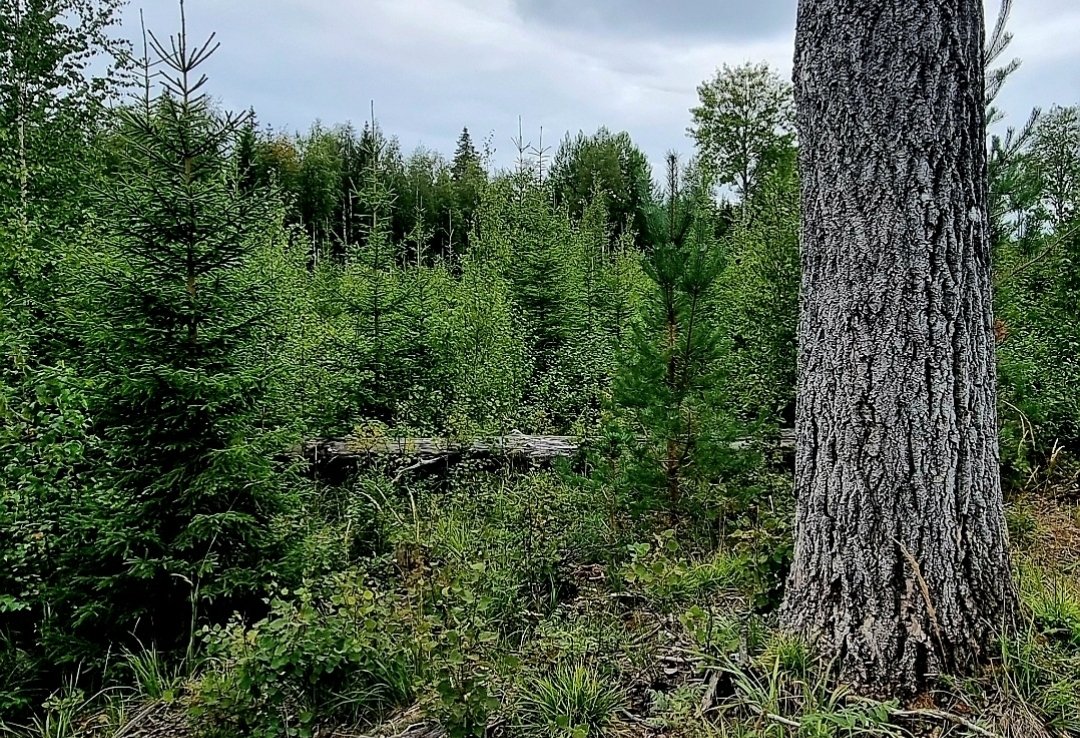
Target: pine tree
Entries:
(667, 390)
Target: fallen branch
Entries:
(710, 693)
(928, 714)
(337, 457)
(774, 717)
(134, 723)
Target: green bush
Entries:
(318, 657)
(667, 577)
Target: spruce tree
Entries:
(426, 300)
(487, 357)
(469, 180)
(179, 333)
(758, 310)
(466, 157)
(370, 293)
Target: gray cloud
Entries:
(715, 19)
(433, 66)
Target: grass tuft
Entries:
(570, 701)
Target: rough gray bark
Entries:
(901, 563)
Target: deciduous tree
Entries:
(901, 566)
(743, 120)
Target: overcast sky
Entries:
(433, 66)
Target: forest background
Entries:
(188, 297)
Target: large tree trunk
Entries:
(901, 560)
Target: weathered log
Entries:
(336, 458)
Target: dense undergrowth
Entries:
(530, 604)
(187, 297)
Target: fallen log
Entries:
(333, 459)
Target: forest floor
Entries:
(678, 640)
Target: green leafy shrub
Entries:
(666, 577)
(319, 656)
(460, 645)
(59, 526)
(464, 682)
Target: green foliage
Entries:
(461, 653)
(668, 388)
(152, 674)
(178, 318)
(572, 701)
(370, 299)
(184, 296)
(57, 521)
(759, 299)
(666, 578)
(781, 703)
(608, 167)
(318, 181)
(522, 331)
(1021, 523)
(507, 540)
(570, 298)
(1054, 605)
(326, 653)
(59, 64)
(791, 654)
(322, 173)
(486, 360)
(1054, 155)
(62, 716)
(1038, 285)
(469, 181)
(744, 119)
